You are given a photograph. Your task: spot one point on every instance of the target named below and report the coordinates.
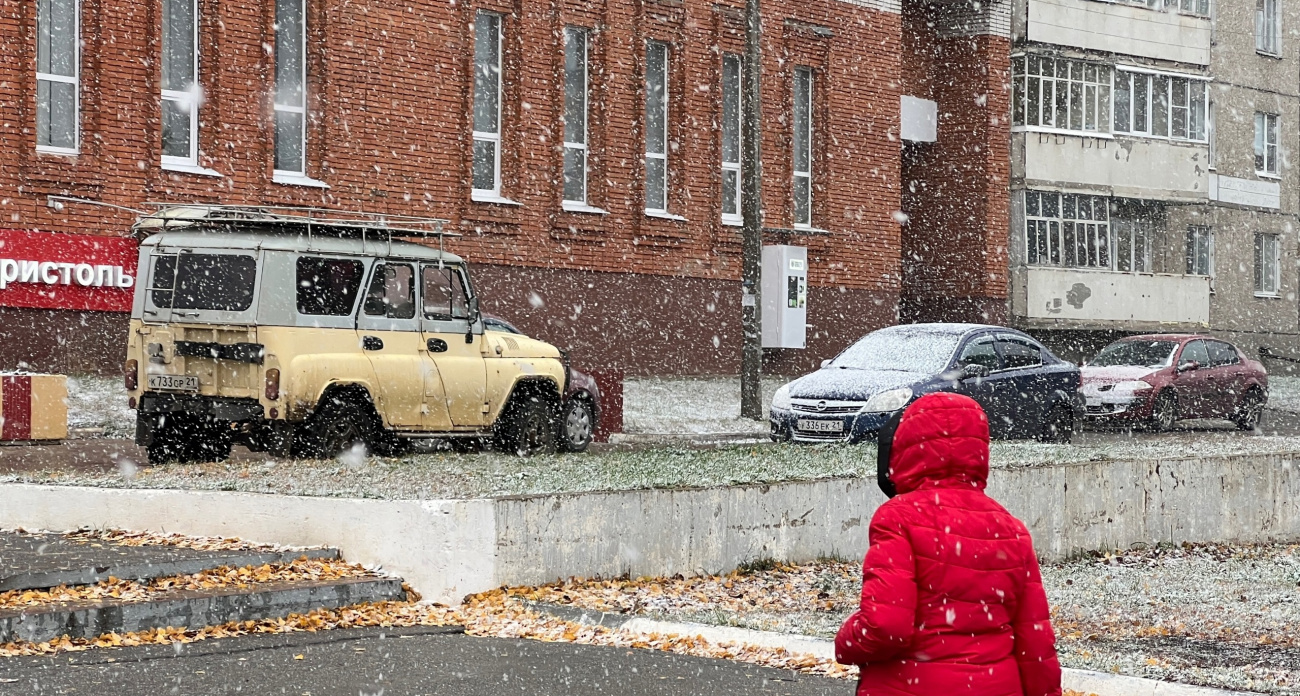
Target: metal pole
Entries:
(751, 207)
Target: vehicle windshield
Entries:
(900, 350)
(1143, 353)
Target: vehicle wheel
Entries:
(337, 426)
(527, 427)
(208, 442)
(1249, 411)
(169, 442)
(1059, 427)
(1164, 415)
(578, 426)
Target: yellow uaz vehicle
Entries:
(306, 333)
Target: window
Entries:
(1061, 94)
(1221, 354)
(1067, 230)
(219, 282)
(290, 86)
(1162, 106)
(980, 351)
(180, 82)
(1018, 353)
(444, 294)
(1200, 251)
(575, 114)
(1195, 352)
(1133, 245)
(328, 286)
(803, 142)
(487, 103)
(1268, 34)
(392, 292)
(731, 126)
(1266, 143)
(1193, 7)
(656, 127)
(58, 75)
(1267, 263)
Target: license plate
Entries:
(174, 382)
(821, 426)
(1094, 402)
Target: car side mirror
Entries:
(825, 363)
(974, 370)
(1189, 366)
(474, 316)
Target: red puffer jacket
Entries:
(952, 599)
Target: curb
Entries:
(192, 609)
(149, 571)
(1087, 682)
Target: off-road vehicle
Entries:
(309, 332)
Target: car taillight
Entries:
(131, 375)
(272, 384)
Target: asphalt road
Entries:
(396, 662)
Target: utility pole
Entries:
(751, 208)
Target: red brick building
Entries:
(588, 224)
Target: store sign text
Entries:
(51, 273)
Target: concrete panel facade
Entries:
(1124, 29)
(1127, 167)
(1086, 296)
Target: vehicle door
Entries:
(988, 390)
(390, 337)
(1224, 380)
(454, 343)
(1192, 386)
(1028, 387)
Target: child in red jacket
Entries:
(952, 599)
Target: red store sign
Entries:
(47, 270)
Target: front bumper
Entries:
(854, 428)
(1118, 408)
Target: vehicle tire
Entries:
(208, 441)
(577, 426)
(339, 424)
(1164, 414)
(1249, 411)
(169, 442)
(527, 426)
(1059, 426)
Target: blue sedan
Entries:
(1026, 391)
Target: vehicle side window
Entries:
(980, 351)
(444, 294)
(1222, 354)
(392, 292)
(328, 286)
(1195, 352)
(1019, 353)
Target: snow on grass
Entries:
(695, 405)
(100, 402)
(1284, 393)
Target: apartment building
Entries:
(1152, 181)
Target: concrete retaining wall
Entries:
(447, 549)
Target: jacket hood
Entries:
(942, 441)
(850, 384)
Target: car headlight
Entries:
(781, 399)
(888, 401)
(1132, 387)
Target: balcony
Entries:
(1080, 298)
(1123, 29)
(1146, 168)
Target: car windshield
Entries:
(900, 350)
(1143, 353)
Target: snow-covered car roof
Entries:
(944, 327)
(252, 241)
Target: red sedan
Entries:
(1160, 379)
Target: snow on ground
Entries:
(1214, 615)
(697, 405)
(100, 402)
(1284, 393)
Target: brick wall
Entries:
(390, 123)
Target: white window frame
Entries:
(1199, 236)
(804, 72)
(493, 193)
(187, 99)
(733, 218)
(1130, 245)
(294, 175)
(1094, 96)
(1266, 127)
(74, 80)
(1193, 84)
(662, 154)
(1183, 7)
(570, 34)
(1268, 250)
(1268, 27)
(1095, 229)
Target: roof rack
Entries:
(311, 220)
